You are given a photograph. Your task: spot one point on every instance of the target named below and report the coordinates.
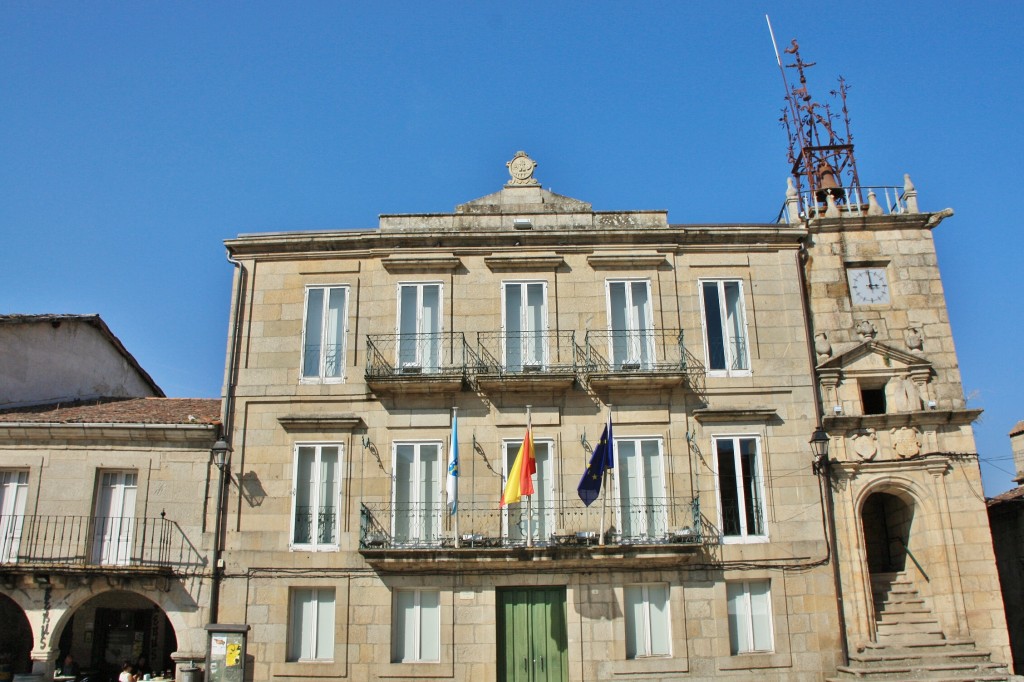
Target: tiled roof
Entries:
(1019, 428)
(1009, 496)
(120, 411)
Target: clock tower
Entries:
(902, 471)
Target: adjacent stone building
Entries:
(719, 547)
(103, 499)
(1006, 515)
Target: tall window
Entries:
(647, 631)
(525, 324)
(316, 497)
(739, 487)
(13, 491)
(417, 493)
(115, 517)
(419, 327)
(641, 478)
(542, 521)
(725, 326)
(323, 334)
(750, 616)
(311, 624)
(629, 316)
(416, 632)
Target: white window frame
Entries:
(656, 517)
(641, 330)
(420, 363)
(745, 620)
(322, 377)
(745, 535)
(419, 625)
(432, 515)
(13, 495)
(545, 514)
(120, 529)
(313, 638)
(728, 337)
(524, 286)
(650, 619)
(314, 545)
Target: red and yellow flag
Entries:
(520, 478)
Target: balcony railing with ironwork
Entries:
(95, 542)
(737, 522)
(629, 350)
(654, 521)
(396, 356)
(522, 354)
(315, 524)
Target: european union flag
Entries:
(590, 484)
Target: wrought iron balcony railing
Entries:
(629, 350)
(392, 356)
(526, 353)
(72, 542)
(654, 521)
(741, 522)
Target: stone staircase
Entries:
(910, 644)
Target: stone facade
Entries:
(104, 540)
(693, 394)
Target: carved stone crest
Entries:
(521, 169)
(905, 442)
(865, 444)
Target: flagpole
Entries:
(604, 482)
(529, 498)
(454, 446)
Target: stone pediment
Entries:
(524, 200)
(873, 357)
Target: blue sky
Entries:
(135, 137)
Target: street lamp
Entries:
(220, 451)
(819, 446)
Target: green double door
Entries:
(532, 635)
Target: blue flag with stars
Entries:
(601, 460)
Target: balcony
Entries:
(641, 359)
(416, 363)
(96, 544)
(405, 537)
(526, 361)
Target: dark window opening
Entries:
(872, 400)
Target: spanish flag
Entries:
(520, 478)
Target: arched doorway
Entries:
(118, 626)
(15, 639)
(888, 520)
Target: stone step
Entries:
(909, 629)
(886, 657)
(990, 672)
(923, 646)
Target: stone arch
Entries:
(171, 628)
(16, 637)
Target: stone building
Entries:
(1006, 516)
(719, 546)
(102, 509)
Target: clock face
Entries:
(868, 286)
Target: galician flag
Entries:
(453, 467)
(601, 460)
(520, 478)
